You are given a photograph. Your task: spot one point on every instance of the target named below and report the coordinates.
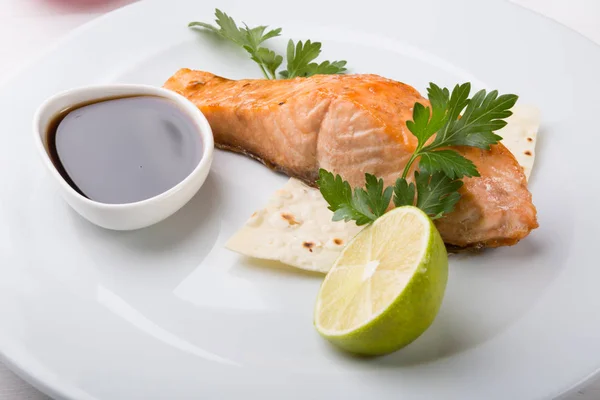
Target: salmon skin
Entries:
(352, 125)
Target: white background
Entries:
(29, 26)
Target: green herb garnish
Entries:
(436, 195)
(456, 120)
(360, 205)
(483, 114)
(248, 38)
(299, 59)
(300, 56)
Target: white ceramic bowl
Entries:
(131, 215)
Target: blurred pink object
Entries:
(103, 5)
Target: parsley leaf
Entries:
(334, 189)
(483, 114)
(248, 38)
(454, 165)
(345, 205)
(267, 59)
(326, 68)
(378, 198)
(299, 57)
(426, 122)
(358, 209)
(360, 205)
(456, 103)
(404, 193)
(256, 36)
(437, 194)
(228, 29)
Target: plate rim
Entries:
(40, 377)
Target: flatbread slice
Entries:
(295, 228)
(520, 135)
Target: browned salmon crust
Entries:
(352, 125)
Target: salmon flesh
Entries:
(352, 125)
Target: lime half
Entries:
(386, 287)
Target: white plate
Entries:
(167, 313)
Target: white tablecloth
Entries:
(28, 26)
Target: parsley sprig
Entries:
(300, 56)
(360, 205)
(458, 121)
(455, 120)
(436, 195)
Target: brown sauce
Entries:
(123, 150)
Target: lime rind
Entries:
(410, 308)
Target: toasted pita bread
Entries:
(295, 228)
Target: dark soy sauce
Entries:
(124, 150)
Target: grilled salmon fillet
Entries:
(351, 125)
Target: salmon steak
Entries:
(351, 125)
